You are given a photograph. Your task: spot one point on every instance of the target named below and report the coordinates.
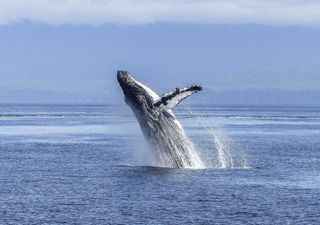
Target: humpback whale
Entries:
(162, 131)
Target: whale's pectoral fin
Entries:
(171, 99)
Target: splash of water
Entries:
(182, 151)
(226, 157)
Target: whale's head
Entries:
(137, 96)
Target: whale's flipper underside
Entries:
(171, 99)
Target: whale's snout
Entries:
(131, 89)
(123, 77)
(125, 80)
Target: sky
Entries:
(245, 51)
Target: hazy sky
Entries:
(97, 12)
(75, 47)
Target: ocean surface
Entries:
(64, 164)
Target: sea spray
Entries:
(221, 151)
(184, 149)
(154, 154)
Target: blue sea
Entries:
(89, 164)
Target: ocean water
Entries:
(89, 165)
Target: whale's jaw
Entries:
(129, 87)
(126, 82)
(134, 95)
(137, 95)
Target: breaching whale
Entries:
(162, 131)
